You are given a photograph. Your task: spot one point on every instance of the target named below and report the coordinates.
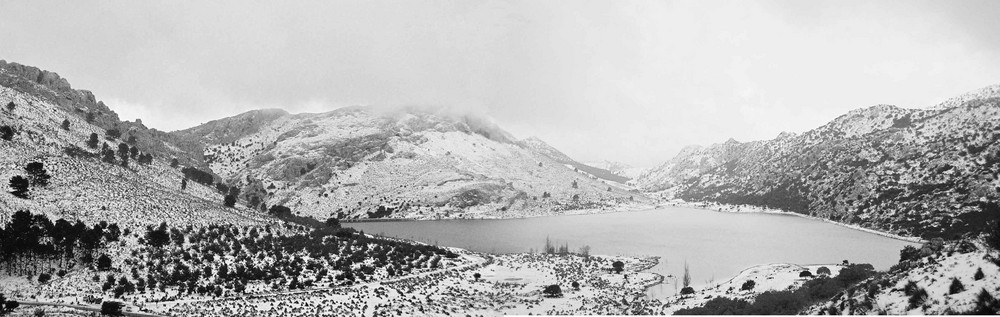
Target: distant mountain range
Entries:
(407, 163)
(923, 172)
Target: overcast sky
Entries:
(627, 81)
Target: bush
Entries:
(229, 201)
(854, 273)
(748, 285)
(618, 266)
(103, 263)
(805, 273)
(65, 124)
(110, 308)
(92, 142)
(279, 210)
(918, 298)
(553, 291)
(986, 304)
(6, 133)
(44, 278)
(778, 303)
(979, 274)
(718, 306)
(823, 271)
(908, 253)
(956, 286)
(687, 290)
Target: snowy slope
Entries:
(913, 172)
(410, 163)
(87, 189)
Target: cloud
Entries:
(628, 81)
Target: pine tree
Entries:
(19, 186)
(37, 174)
(123, 153)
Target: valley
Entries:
(426, 211)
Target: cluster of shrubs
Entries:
(785, 302)
(194, 261)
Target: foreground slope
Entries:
(921, 172)
(362, 162)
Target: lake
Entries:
(715, 245)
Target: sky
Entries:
(626, 81)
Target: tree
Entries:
(805, 273)
(110, 308)
(585, 251)
(109, 156)
(477, 276)
(229, 201)
(131, 140)
(174, 163)
(92, 142)
(979, 274)
(44, 277)
(576, 285)
(133, 152)
(956, 286)
(103, 263)
(279, 210)
(19, 186)
(687, 290)
(123, 153)
(575, 185)
(618, 266)
(158, 237)
(823, 270)
(37, 174)
(908, 253)
(6, 133)
(332, 222)
(687, 275)
(65, 124)
(184, 183)
(11, 305)
(90, 117)
(113, 133)
(748, 285)
(11, 106)
(552, 291)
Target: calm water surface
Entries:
(715, 245)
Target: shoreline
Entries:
(718, 207)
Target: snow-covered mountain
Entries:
(51, 124)
(927, 172)
(361, 162)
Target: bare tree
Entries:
(687, 275)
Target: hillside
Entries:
(83, 186)
(603, 173)
(918, 172)
(959, 278)
(362, 162)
